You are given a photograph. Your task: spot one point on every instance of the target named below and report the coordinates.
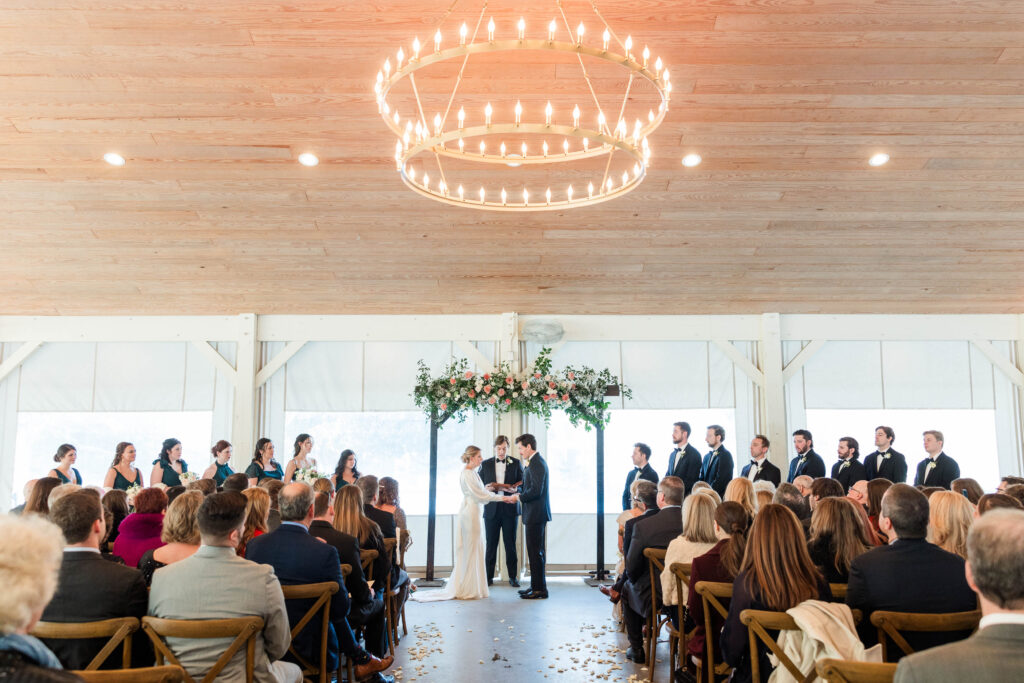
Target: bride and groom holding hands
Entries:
(502, 485)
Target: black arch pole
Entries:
(429, 580)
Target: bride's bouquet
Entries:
(307, 475)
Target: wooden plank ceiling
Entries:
(212, 100)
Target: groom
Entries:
(498, 518)
(536, 514)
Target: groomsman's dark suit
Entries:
(646, 472)
(893, 467)
(853, 471)
(656, 531)
(942, 475)
(810, 463)
(501, 517)
(536, 515)
(685, 464)
(768, 472)
(717, 469)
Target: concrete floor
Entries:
(569, 637)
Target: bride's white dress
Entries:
(468, 580)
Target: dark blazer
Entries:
(994, 654)
(656, 531)
(718, 471)
(850, 474)
(385, 520)
(348, 553)
(534, 496)
(627, 529)
(909, 576)
(942, 475)
(768, 472)
(90, 588)
(893, 468)
(813, 466)
(513, 474)
(298, 558)
(687, 466)
(646, 472)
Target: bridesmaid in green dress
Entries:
(66, 457)
(168, 468)
(263, 465)
(123, 474)
(345, 473)
(220, 469)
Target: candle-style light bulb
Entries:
(551, 30)
(664, 75)
(620, 128)
(461, 192)
(483, 147)
(565, 146)
(547, 114)
(441, 186)
(601, 121)
(437, 41)
(650, 115)
(426, 180)
(526, 196)
(490, 29)
(482, 195)
(576, 116)
(488, 110)
(625, 178)
(437, 124)
(523, 148)
(636, 170)
(668, 87)
(412, 173)
(590, 190)
(399, 57)
(579, 33)
(544, 148)
(519, 111)
(547, 195)
(610, 185)
(463, 30)
(522, 27)
(605, 37)
(387, 67)
(504, 197)
(415, 48)
(568, 193)
(586, 144)
(405, 139)
(657, 66)
(628, 45)
(396, 118)
(647, 55)
(462, 145)
(502, 148)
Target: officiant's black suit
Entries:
(501, 518)
(536, 515)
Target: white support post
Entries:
(800, 359)
(243, 422)
(773, 397)
(277, 362)
(18, 357)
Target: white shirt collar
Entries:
(80, 549)
(1014, 618)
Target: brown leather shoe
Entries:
(372, 666)
(612, 594)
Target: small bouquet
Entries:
(131, 492)
(188, 477)
(307, 475)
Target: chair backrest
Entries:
(242, 629)
(151, 674)
(391, 547)
(681, 575)
(117, 630)
(838, 591)
(366, 558)
(842, 671)
(892, 623)
(758, 623)
(711, 594)
(346, 569)
(403, 544)
(321, 594)
(655, 565)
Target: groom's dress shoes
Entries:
(535, 595)
(490, 582)
(637, 655)
(514, 583)
(525, 591)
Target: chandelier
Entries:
(495, 137)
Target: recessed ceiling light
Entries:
(691, 160)
(879, 159)
(307, 159)
(113, 159)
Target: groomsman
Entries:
(684, 462)
(849, 469)
(641, 469)
(759, 469)
(717, 466)
(806, 461)
(938, 469)
(536, 514)
(500, 518)
(885, 462)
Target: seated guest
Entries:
(991, 501)
(220, 468)
(646, 501)
(858, 493)
(656, 531)
(38, 500)
(273, 487)
(217, 584)
(838, 536)
(876, 490)
(641, 470)
(763, 497)
(697, 538)
(180, 535)
(777, 575)
(140, 531)
(949, 519)
(387, 500)
(59, 492)
(969, 488)
(298, 558)
(938, 469)
(370, 488)
(803, 483)
(204, 486)
(367, 608)
(788, 495)
(910, 574)
(115, 507)
(1016, 492)
(173, 492)
(26, 491)
(1003, 483)
(31, 550)
(322, 485)
(848, 468)
(90, 588)
(235, 482)
(741, 491)
(710, 492)
(995, 572)
(257, 511)
(350, 518)
(824, 487)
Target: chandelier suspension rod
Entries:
(423, 118)
(622, 110)
(462, 69)
(611, 31)
(583, 68)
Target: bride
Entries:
(468, 581)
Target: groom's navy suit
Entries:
(501, 518)
(536, 515)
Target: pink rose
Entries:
(501, 392)
(508, 380)
(469, 374)
(572, 375)
(508, 401)
(472, 394)
(487, 389)
(444, 406)
(526, 385)
(565, 397)
(551, 385)
(487, 375)
(536, 375)
(453, 380)
(492, 400)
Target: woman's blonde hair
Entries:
(709, 492)
(257, 509)
(699, 519)
(181, 522)
(950, 516)
(349, 517)
(468, 454)
(741, 491)
(763, 498)
(31, 550)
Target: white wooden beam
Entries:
(654, 327)
(379, 327)
(801, 358)
(214, 357)
(75, 328)
(474, 354)
(18, 357)
(1000, 361)
(773, 396)
(243, 420)
(740, 361)
(900, 327)
(277, 362)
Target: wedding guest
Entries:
(168, 467)
(824, 487)
(263, 465)
(180, 535)
(387, 500)
(858, 493)
(38, 500)
(219, 469)
(876, 491)
(123, 474)
(641, 470)
(766, 486)
(803, 484)
(684, 462)
(949, 520)
(763, 497)
(789, 496)
(938, 469)
(345, 473)
(59, 492)
(848, 469)
(323, 485)
(370, 486)
(115, 507)
(65, 457)
(741, 491)
(838, 537)
(1008, 481)
(1016, 491)
(301, 459)
(273, 487)
(173, 492)
(645, 501)
(885, 462)
(806, 462)
(31, 548)
(969, 488)
(204, 486)
(698, 537)
(257, 510)
(760, 468)
(90, 588)
(26, 491)
(237, 482)
(991, 501)
(777, 575)
(710, 492)
(140, 531)
(350, 518)
(717, 467)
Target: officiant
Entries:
(503, 474)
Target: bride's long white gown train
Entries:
(468, 580)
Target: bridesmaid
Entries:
(345, 473)
(66, 457)
(220, 469)
(300, 459)
(122, 473)
(263, 465)
(168, 468)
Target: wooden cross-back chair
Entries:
(403, 545)
(891, 624)
(655, 622)
(842, 671)
(321, 594)
(119, 631)
(838, 591)
(679, 637)
(758, 623)
(390, 595)
(711, 594)
(242, 629)
(366, 558)
(149, 674)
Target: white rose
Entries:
(534, 393)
